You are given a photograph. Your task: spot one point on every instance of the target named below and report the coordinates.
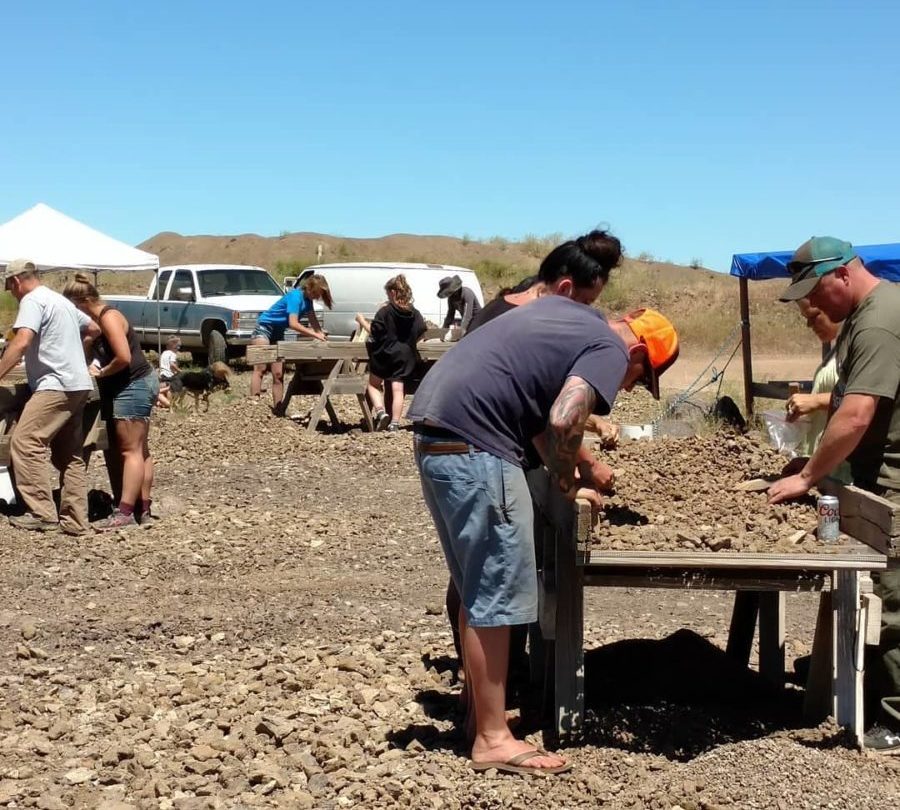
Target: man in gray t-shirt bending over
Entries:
(534, 375)
(49, 334)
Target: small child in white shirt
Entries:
(168, 360)
(168, 370)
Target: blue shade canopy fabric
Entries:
(882, 260)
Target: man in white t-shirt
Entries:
(49, 334)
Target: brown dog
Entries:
(199, 384)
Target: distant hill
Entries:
(702, 304)
(268, 252)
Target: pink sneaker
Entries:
(115, 521)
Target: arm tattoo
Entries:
(570, 411)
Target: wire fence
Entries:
(714, 376)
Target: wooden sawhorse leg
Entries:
(366, 412)
(332, 413)
(817, 702)
(290, 391)
(323, 401)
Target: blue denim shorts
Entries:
(137, 399)
(268, 331)
(482, 510)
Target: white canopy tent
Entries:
(54, 241)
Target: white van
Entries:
(359, 287)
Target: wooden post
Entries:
(569, 646)
(848, 676)
(817, 702)
(743, 626)
(745, 346)
(771, 636)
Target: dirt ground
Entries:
(277, 639)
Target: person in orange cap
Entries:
(533, 376)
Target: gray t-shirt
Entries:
(496, 387)
(55, 359)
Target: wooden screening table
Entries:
(14, 392)
(325, 369)
(567, 564)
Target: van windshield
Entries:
(230, 281)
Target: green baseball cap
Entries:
(815, 258)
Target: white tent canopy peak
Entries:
(54, 241)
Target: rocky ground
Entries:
(277, 639)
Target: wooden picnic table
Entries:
(849, 616)
(326, 369)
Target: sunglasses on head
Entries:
(799, 267)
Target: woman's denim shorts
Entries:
(268, 331)
(137, 399)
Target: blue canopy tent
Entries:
(882, 260)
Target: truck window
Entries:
(182, 287)
(232, 281)
(162, 280)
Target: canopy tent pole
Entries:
(158, 319)
(745, 345)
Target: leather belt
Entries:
(442, 448)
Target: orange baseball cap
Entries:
(656, 332)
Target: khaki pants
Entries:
(52, 419)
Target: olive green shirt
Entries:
(868, 358)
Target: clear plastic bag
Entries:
(785, 436)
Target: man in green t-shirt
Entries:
(864, 422)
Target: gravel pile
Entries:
(678, 494)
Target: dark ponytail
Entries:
(585, 259)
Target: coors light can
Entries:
(829, 518)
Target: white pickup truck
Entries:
(211, 307)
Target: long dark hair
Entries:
(316, 286)
(585, 259)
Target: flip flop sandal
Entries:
(517, 765)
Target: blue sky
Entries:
(692, 129)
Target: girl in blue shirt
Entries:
(285, 314)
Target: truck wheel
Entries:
(216, 348)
